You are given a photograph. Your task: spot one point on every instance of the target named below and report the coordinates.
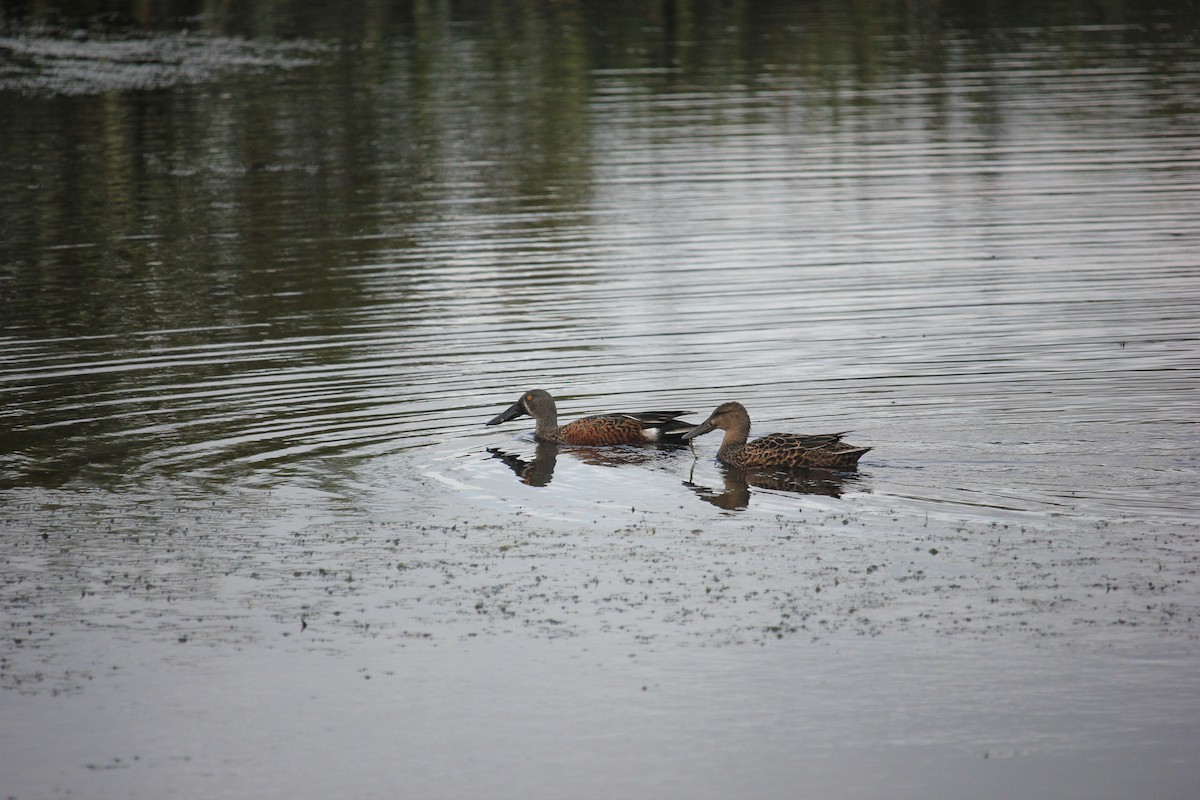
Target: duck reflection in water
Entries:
(538, 470)
(735, 495)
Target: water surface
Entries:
(263, 279)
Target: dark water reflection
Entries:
(735, 492)
(266, 270)
(537, 469)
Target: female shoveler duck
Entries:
(602, 429)
(776, 450)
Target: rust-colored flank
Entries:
(602, 429)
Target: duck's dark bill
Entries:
(514, 411)
(699, 430)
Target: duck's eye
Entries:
(528, 397)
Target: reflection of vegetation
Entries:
(241, 200)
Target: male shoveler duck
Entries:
(601, 429)
(776, 450)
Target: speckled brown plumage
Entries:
(776, 450)
(600, 429)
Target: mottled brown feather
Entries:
(776, 450)
(792, 450)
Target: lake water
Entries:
(264, 276)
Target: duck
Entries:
(777, 450)
(597, 430)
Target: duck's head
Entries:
(536, 403)
(726, 416)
